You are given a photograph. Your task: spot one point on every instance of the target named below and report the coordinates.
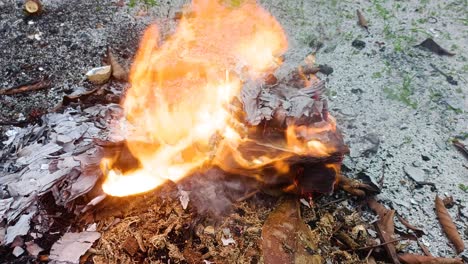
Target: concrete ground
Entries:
(395, 110)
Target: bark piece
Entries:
(448, 225)
(418, 259)
(71, 246)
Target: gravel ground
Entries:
(395, 110)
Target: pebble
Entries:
(99, 75)
(358, 44)
(416, 174)
(18, 251)
(404, 126)
(325, 69)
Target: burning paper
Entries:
(180, 101)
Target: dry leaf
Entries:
(286, 237)
(418, 231)
(418, 259)
(118, 72)
(362, 20)
(447, 224)
(385, 227)
(431, 45)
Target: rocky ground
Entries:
(398, 114)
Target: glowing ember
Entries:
(180, 90)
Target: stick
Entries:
(379, 245)
(39, 85)
(247, 196)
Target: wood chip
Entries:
(130, 246)
(448, 225)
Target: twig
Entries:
(368, 255)
(461, 148)
(379, 245)
(247, 196)
(382, 179)
(14, 123)
(332, 202)
(39, 85)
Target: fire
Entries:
(181, 89)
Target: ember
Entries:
(183, 102)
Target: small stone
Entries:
(209, 230)
(415, 174)
(99, 75)
(404, 126)
(358, 44)
(18, 251)
(325, 69)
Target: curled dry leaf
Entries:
(461, 148)
(418, 231)
(448, 202)
(418, 259)
(385, 227)
(431, 45)
(118, 72)
(362, 20)
(448, 226)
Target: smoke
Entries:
(213, 191)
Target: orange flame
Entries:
(180, 90)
